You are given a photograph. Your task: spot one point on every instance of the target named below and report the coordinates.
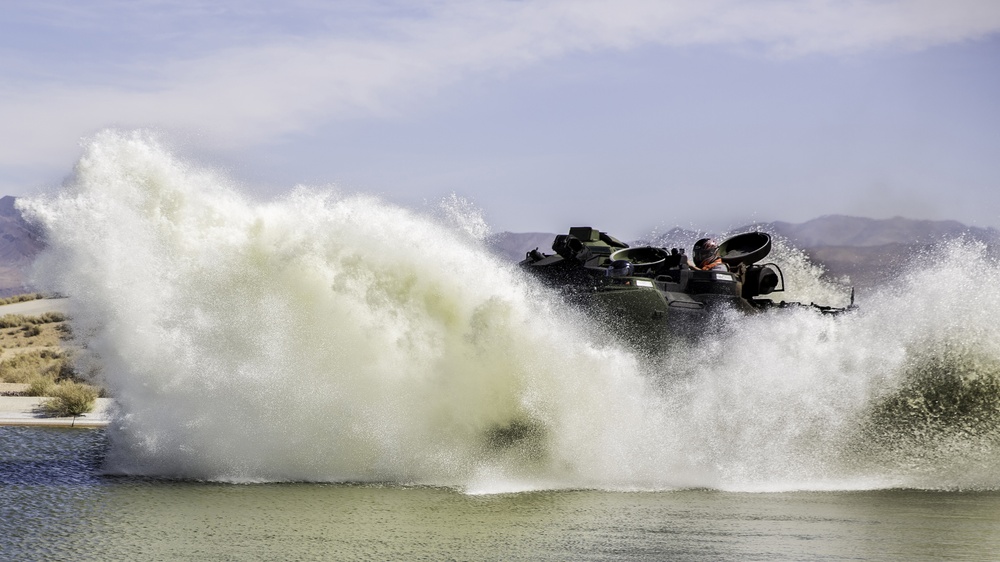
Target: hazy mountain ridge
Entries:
(865, 250)
(861, 248)
(19, 244)
(21, 241)
(826, 231)
(840, 230)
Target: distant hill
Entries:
(869, 250)
(863, 249)
(839, 230)
(19, 244)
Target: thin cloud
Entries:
(252, 81)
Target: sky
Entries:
(626, 115)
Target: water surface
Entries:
(56, 505)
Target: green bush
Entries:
(70, 399)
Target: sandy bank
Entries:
(36, 307)
(25, 410)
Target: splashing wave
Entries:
(330, 337)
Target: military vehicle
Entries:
(648, 295)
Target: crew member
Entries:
(706, 256)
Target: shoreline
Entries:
(19, 410)
(23, 411)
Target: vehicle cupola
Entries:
(745, 249)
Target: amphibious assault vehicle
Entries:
(645, 293)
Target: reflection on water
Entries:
(54, 505)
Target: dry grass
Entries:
(21, 298)
(18, 332)
(35, 351)
(24, 367)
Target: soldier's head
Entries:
(705, 250)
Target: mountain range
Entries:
(865, 250)
(19, 244)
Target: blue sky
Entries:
(625, 115)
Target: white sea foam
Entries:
(329, 337)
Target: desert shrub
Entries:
(12, 320)
(21, 298)
(19, 320)
(70, 399)
(40, 386)
(50, 317)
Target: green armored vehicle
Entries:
(646, 294)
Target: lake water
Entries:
(55, 504)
